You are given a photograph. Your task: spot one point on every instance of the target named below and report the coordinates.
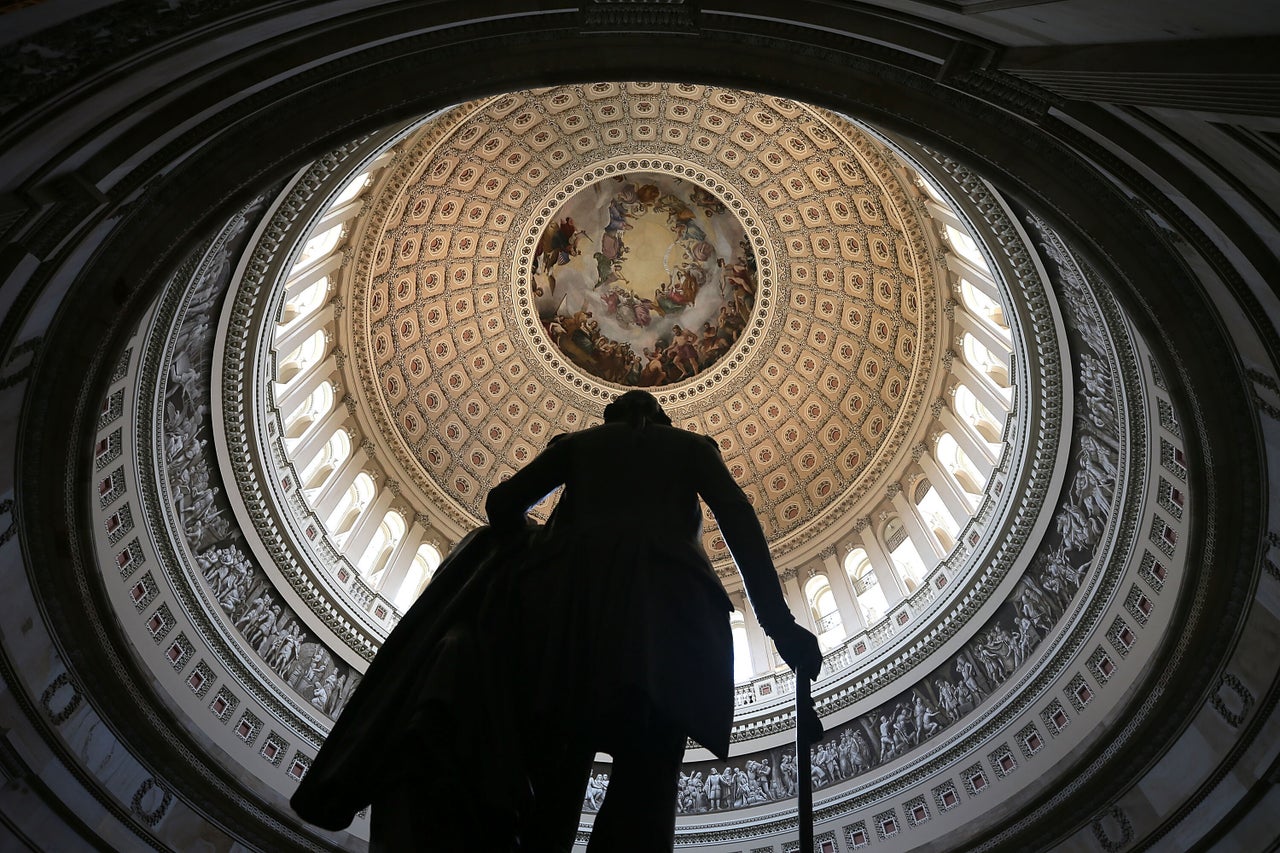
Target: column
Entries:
(983, 387)
(944, 214)
(919, 533)
(757, 642)
(367, 525)
(998, 346)
(975, 275)
(330, 495)
(953, 497)
(338, 214)
(882, 566)
(401, 559)
(796, 600)
(966, 436)
(846, 598)
(300, 386)
(301, 279)
(317, 435)
(297, 333)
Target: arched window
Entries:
(431, 561)
(353, 503)
(939, 519)
(965, 247)
(956, 462)
(969, 408)
(984, 308)
(906, 559)
(742, 667)
(316, 406)
(983, 361)
(425, 562)
(308, 353)
(865, 586)
(357, 185)
(311, 298)
(319, 246)
(932, 191)
(327, 461)
(375, 557)
(822, 604)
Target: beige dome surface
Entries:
(463, 285)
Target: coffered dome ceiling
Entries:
(761, 265)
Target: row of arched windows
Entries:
(381, 542)
(888, 562)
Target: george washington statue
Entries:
(534, 648)
(628, 647)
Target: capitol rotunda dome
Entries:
(932, 406)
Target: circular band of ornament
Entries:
(573, 298)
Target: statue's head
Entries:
(636, 408)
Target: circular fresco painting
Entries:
(644, 279)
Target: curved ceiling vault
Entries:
(162, 171)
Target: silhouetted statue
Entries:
(628, 648)
(606, 630)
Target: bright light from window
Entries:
(742, 668)
(965, 247)
(351, 190)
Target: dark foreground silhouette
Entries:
(534, 648)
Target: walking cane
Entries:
(808, 731)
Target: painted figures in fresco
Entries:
(238, 585)
(644, 280)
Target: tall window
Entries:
(308, 353)
(984, 361)
(956, 462)
(358, 185)
(939, 519)
(311, 298)
(865, 585)
(742, 667)
(354, 502)
(425, 562)
(376, 556)
(822, 603)
(312, 409)
(319, 246)
(984, 307)
(965, 247)
(971, 409)
(906, 558)
(327, 461)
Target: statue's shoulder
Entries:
(695, 439)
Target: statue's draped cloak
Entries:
(427, 686)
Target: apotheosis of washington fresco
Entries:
(644, 279)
